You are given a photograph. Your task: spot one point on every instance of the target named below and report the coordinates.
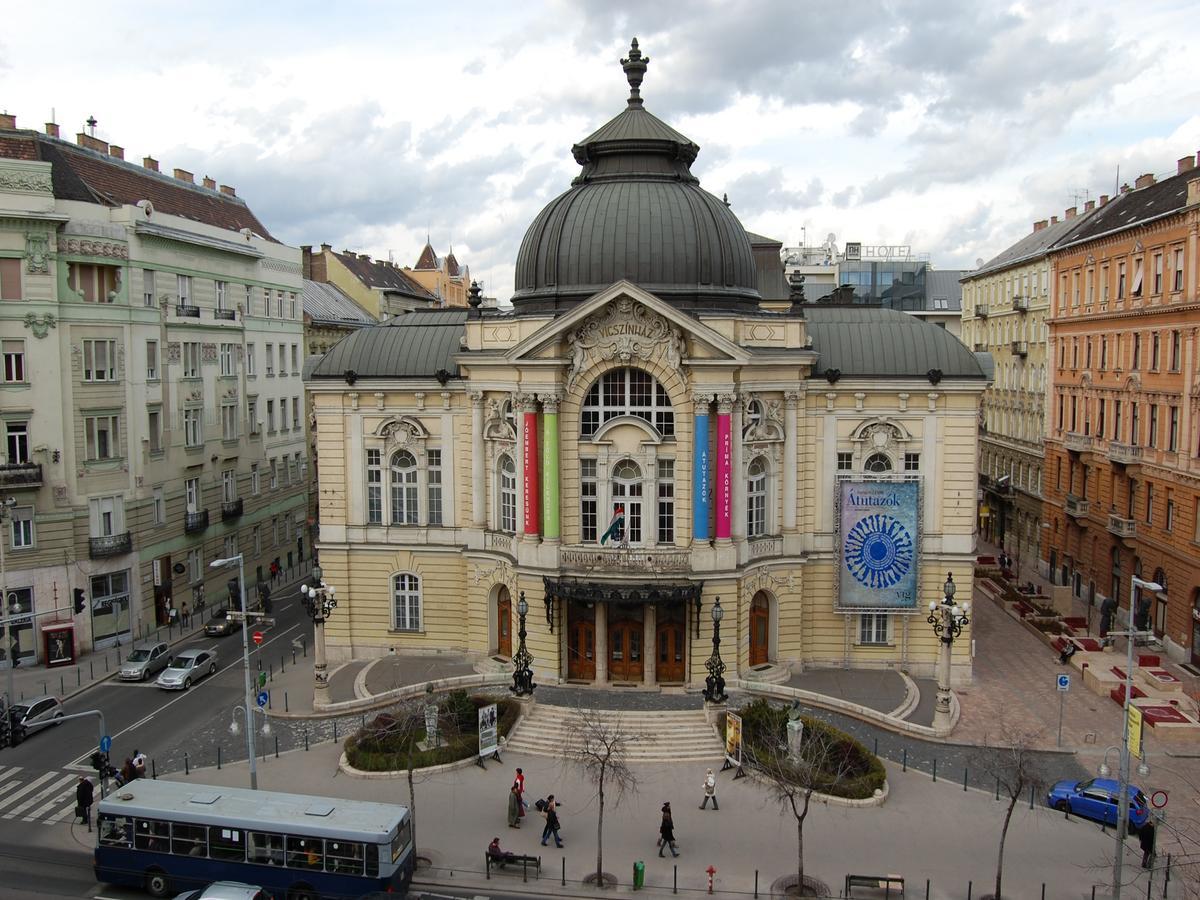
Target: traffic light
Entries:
(80, 601)
(98, 761)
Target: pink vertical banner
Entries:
(724, 475)
(532, 495)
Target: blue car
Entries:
(1097, 799)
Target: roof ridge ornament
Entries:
(635, 71)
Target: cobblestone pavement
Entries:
(881, 690)
(389, 674)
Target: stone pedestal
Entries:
(714, 711)
(795, 737)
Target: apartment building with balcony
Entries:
(1122, 449)
(152, 403)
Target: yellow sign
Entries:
(1135, 731)
(733, 738)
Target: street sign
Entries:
(105, 744)
(262, 698)
(262, 679)
(257, 637)
(1064, 682)
(1158, 799)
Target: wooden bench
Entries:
(886, 883)
(502, 862)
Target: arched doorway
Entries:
(760, 629)
(625, 650)
(581, 642)
(503, 622)
(671, 662)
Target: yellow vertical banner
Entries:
(1135, 731)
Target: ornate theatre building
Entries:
(657, 423)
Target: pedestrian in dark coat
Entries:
(550, 811)
(83, 799)
(666, 831)
(514, 808)
(1146, 841)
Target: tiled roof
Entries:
(413, 345)
(1031, 246)
(325, 303)
(944, 284)
(375, 273)
(81, 174)
(1131, 208)
(452, 266)
(428, 259)
(772, 280)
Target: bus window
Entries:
(345, 857)
(189, 840)
(154, 835)
(402, 839)
(374, 852)
(115, 831)
(226, 843)
(305, 853)
(264, 848)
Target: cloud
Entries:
(766, 191)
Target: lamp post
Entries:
(319, 601)
(522, 685)
(714, 684)
(234, 727)
(248, 697)
(947, 619)
(1130, 635)
(5, 610)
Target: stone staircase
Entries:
(663, 735)
(767, 673)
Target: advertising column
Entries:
(701, 482)
(530, 489)
(550, 466)
(724, 467)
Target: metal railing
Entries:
(638, 559)
(231, 509)
(110, 545)
(15, 475)
(187, 311)
(228, 314)
(195, 521)
(1121, 526)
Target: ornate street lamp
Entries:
(522, 685)
(947, 619)
(714, 684)
(320, 602)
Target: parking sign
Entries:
(1064, 682)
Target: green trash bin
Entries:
(639, 875)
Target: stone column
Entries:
(649, 644)
(791, 400)
(530, 488)
(738, 524)
(550, 463)
(601, 643)
(701, 468)
(724, 486)
(478, 510)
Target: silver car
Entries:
(144, 661)
(37, 713)
(186, 668)
(226, 890)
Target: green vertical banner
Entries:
(550, 475)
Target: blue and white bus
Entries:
(170, 836)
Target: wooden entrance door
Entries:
(581, 650)
(670, 664)
(503, 622)
(625, 650)
(760, 623)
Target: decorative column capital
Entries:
(476, 398)
(701, 403)
(725, 403)
(791, 399)
(550, 403)
(526, 403)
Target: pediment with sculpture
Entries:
(627, 331)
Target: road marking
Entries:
(33, 785)
(43, 813)
(9, 771)
(40, 797)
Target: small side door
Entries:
(39, 715)
(158, 659)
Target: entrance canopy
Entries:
(627, 592)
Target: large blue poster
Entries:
(879, 539)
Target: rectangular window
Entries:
(1075, 288)
(220, 287)
(295, 359)
(257, 539)
(228, 485)
(1155, 347)
(254, 479)
(296, 413)
(1135, 425)
(1153, 442)
(1087, 357)
(147, 287)
(229, 420)
(1100, 420)
(279, 304)
(912, 462)
(1169, 524)
(1104, 284)
(191, 494)
(183, 287)
(666, 501)
(106, 516)
(587, 500)
(152, 360)
(1158, 273)
(845, 462)
(1103, 353)
(102, 437)
(252, 414)
(1177, 270)
(250, 368)
(270, 416)
(193, 431)
(94, 283)
(14, 361)
(154, 429)
(158, 507)
(270, 359)
(100, 360)
(191, 359)
(195, 570)
(1176, 346)
(274, 473)
(374, 488)
(1137, 352)
(406, 596)
(22, 527)
(10, 279)
(227, 360)
(1173, 429)
(434, 481)
(1074, 353)
(873, 628)
(1116, 432)
(291, 306)
(1120, 281)
(17, 442)
(1135, 289)
(1149, 503)
(282, 360)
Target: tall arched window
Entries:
(627, 494)
(756, 499)
(406, 602)
(404, 488)
(878, 463)
(508, 494)
(627, 392)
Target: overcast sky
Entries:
(949, 126)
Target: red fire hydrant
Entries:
(711, 872)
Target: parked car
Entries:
(1097, 799)
(186, 668)
(35, 714)
(221, 624)
(226, 890)
(144, 661)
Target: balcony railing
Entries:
(765, 546)
(1077, 507)
(1020, 348)
(1121, 526)
(194, 522)
(617, 559)
(499, 541)
(224, 314)
(190, 312)
(981, 310)
(231, 509)
(1076, 442)
(110, 545)
(1124, 454)
(20, 475)
(1021, 304)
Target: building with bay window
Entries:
(640, 436)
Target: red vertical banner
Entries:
(724, 475)
(532, 491)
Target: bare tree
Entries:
(1017, 770)
(599, 746)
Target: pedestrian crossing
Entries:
(27, 796)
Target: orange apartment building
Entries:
(1122, 451)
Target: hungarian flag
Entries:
(616, 527)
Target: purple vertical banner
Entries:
(700, 480)
(724, 475)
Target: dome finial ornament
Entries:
(635, 71)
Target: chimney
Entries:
(1143, 181)
(52, 129)
(228, 191)
(325, 248)
(86, 140)
(1193, 194)
(1054, 220)
(1185, 164)
(1089, 206)
(184, 175)
(365, 257)
(210, 183)
(150, 163)
(8, 120)
(1069, 213)
(116, 152)
(317, 264)
(1038, 226)
(1125, 188)
(1104, 199)
(306, 261)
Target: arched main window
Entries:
(627, 494)
(878, 463)
(627, 392)
(508, 494)
(406, 602)
(756, 498)
(404, 488)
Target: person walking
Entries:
(84, 793)
(514, 807)
(519, 783)
(550, 811)
(186, 613)
(1146, 841)
(666, 831)
(139, 762)
(710, 790)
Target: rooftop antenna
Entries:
(91, 124)
(1117, 182)
(1080, 194)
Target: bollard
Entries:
(62, 689)
(305, 740)
(91, 670)
(1093, 892)
(926, 889)
(711, 871)
(970, 886)
(268, 699)
(335, 730)
(1066, 811)
(935, 770)
(186, 767)
(281, 668)
(1043, 890)
(964, 778)
(277, 746)
(259, 664)
(78, 677)
(905, 762)
(285, 701)
(304, 646)
(997, 787)
(564, 871)
(293, 656)
(877, 746)
(756, 870)
(270, 672)
(153, 770)
(218, 756)
(675, 880)
(106, 663)
(1031, 796)
(524, 870)
(1149, 884)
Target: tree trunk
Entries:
(412, 802)
(800, 855)
(600, 840)
(1003, 836)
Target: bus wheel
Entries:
(157, 883)
(301, 891)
